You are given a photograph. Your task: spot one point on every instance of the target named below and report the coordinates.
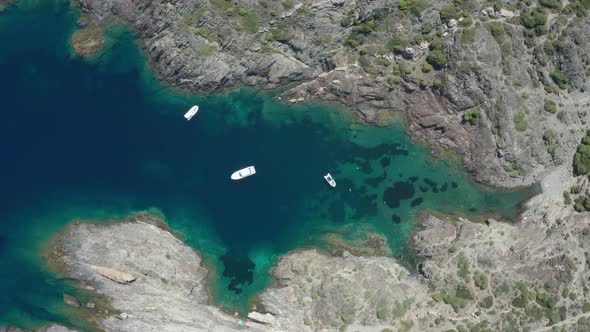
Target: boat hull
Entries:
(243, 173)
(189, 115)
(330, 180)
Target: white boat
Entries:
(189, 115)
(330, 180)
(243, 173)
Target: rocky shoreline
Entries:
(527, 275)
(469, 78)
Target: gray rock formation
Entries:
(495, 276)
(47, 328)
(170, 290)
(528, 275)
(371, 57)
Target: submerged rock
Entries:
(88, 40)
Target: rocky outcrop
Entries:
(47, 328)
(527, 275)
(373, 57)
(88, 40)
(169, 290)
(115, 275)
(496, 276)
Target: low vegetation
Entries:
(582, 156)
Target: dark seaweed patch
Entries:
(238, 268)
(398, 192)
(337, 212)
(472, 209)
(435, 189)
(454, 184)
(385, 161)
(374, 182)
(396, 219)
(444, 187)
(423, 189)
(417, 201)
(430, 182)
(413, 179)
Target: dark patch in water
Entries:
(423, 189)
(401, 175)
(429, 182)
(385, 161)
(396, 219)
(417, 201)
(435, 189)
(238, 268)
(472, 209)
(398, 192)
(337, 212)
(444, 187)
(454, 184)
(374, 182)
(413, 179)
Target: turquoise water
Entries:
(100, 139)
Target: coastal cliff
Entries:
(470, 276)
(503, 86)
(164, 285)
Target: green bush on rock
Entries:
(582, 157)
(472, 116)
(549, 106)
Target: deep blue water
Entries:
(100, 139)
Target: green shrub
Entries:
(472, 116)
(546, 300)
(567, 199)
(519, 122)
(586, 307)
(354, 40)
(288, 4)
(550, 106)
(396, 45)
(365, 27)
(250, 23)
(242, 11)
(582, 157)
(437, 84)
(346, 21)
(466, 22)
(553, 4)
(426, 28)
(426, 68)
(467, 36)
(463, 266)
(448, 13)
(481, 281)
(548, 136)
(415, 7)
(487, 302)
(559, 78)
(437, 59)
(522, 300)
(497, 31)
(535, 20)
(279, 36)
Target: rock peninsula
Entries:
(493, 276)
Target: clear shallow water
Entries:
(103, 139)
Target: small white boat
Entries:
(243, 173)
(330, 180)
(189, 115)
